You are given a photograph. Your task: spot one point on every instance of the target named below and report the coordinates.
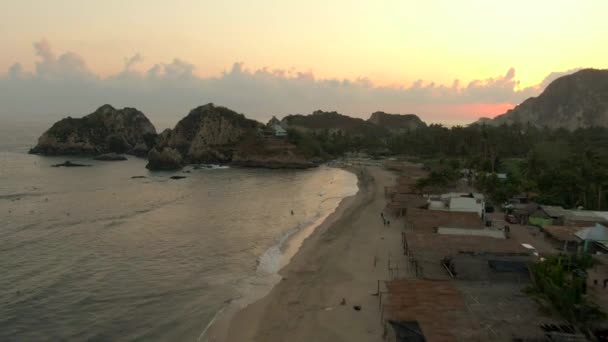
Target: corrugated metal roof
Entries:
(595, 233)
(586, 216)
(554, 211)
(562, 233)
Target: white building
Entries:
(459, 202)
(279, 131)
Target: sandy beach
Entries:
(343, 259)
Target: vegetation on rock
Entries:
(165, 159)
(105, 130)
(579, 100)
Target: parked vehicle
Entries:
(511, 219)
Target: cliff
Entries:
(396, 123)
(103, 131)
(213, 134)
(574, 101)
(208, 134)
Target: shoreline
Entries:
(336, 269)
(219, 327)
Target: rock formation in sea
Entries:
(208, 134)
(212, 134)
(574, 101)
(271, 152)
(165, 158)
(106, 130)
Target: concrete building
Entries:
(458, 202)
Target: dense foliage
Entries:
(568, 168)
(559, 283)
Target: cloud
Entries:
(68, 66)
(63, 85)
(133, 60)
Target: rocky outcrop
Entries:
(208, 134)
(164, 159)
(574, 101)
(105, 130)
(396, 123)
(217, 135)
(271, 153)
(110, 157)
(333, 122)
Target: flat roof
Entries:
(562, 233)
(424, 220)
(437, 306)
(445, 245)
(554, 211)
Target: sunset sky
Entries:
(448, 61)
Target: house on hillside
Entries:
(279, 131)
(273, 129)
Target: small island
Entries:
(212, 134)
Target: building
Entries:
(562, 237)
(586, 217)
(594, 238)
(556, 215)
(548, 215)
(279, 131)
(458, 202)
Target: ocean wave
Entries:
(271, 260)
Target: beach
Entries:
(336, 269)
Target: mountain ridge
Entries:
(578, 100)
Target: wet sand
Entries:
(343, 259)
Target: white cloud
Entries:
(64, 85)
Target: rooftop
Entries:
(423, 220)
(554, 211)
(594, 233)
(464, 311)
(562, 233)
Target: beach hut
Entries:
(548, 215)
(597, 234)
(562, 237)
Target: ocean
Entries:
(92, 253)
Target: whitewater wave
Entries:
(270, 262)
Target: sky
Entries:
(447, 61)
